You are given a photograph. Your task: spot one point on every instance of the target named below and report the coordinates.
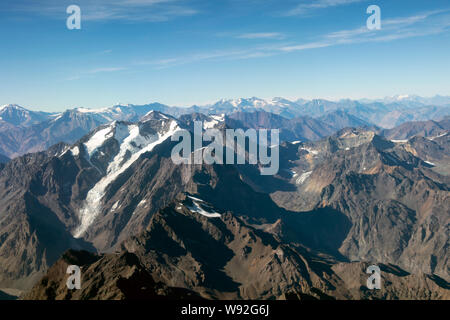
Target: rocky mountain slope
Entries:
(419, 128)
(100, 190)
(106, 277)
(218, 256)
(380, 201)
(301, 128)
(23, 131)
(353, 196)
(19, 138)
(19, 116)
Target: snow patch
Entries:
(97, 140)
(215, 120)
(403, 97)
(210, 124)
(399, 141)
(303, 177)
(196, 199)
(142, 203)
(196, 207)
(57, 117)
(439, 136)
(137, 145)
(219, 118)
(63, 152)
(115, 205)
(86, 110)
(75, 151)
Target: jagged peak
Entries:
(12, 106)
(156, 115)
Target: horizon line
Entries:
(211, 103)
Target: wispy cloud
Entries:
(138, 13)
(305, 46)
(107, 10)
(102, 70)
(95, 71)
(422, 24)
(307, 6)
(217, 55)
(261, 35)
(199, 57)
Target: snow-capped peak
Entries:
(213, 121)
(402, 97)
(19, 116)
(154, 115)
(244, 102)
(11, 106)
(14, 108)
(86, 110)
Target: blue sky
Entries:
(184, 52)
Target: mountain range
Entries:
(24, 131)
(348, 194)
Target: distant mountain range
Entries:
(344, 198)
(23, 131)
(414, 100)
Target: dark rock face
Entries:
(33, 231)
(340, 119)
(301, 128)
(7, 296)
(425, 129)
(225, 231)
(69, 127)
(106, 277)
(44, 193)
(184, 254)
(393, 207)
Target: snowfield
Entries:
(131, 141)
(98, 139)
(196, 207)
